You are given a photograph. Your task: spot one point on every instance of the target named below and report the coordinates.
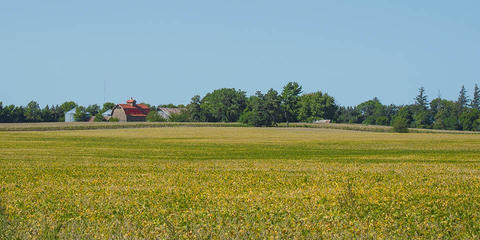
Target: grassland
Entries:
(227, 183)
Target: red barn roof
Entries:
(135, 110)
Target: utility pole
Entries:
(104, 89)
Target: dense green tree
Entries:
(435, 106)
(404, 113)
(346, 115)
(372, 112)
(290, 97)
(3, 114)
(99, 118)
(273, 106)
(316, 106)
(153, 116)
(400, 124)
(422, 119)
(93, 109)
(462, 101)
(390, 112)
(223, 105)
(421, 99)
(263, 109)
(17, 113)
(194, 110)
(182, 116)
(108, 106)
(67, 106)
(33, 113)
(81, 114)
(468, 119)
(475, 103)
(445, 114)
(48, 114)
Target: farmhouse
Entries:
(167, 112)
(131, 112)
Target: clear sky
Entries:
(167, 51)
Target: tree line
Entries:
(439, 113)
(290, 105)
(55, 113)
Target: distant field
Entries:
(237, 183)
(53, 126)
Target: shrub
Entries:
(114, 119)
(99, 118)
(183, 116)
(153, 116)
(400, 125)
(247, 118)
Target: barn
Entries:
(167, 112)
(131, 112)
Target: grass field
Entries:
(227, 183)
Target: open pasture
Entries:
(227, 183)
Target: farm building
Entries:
(167, 112)
(131, 112)
(69, 115)
(107, 114)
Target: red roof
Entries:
(138, 110)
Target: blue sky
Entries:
(167, 51)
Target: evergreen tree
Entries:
(421, 99)
(476, 98)
(462, 98)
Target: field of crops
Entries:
(237, 183)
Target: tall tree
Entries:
(315, 106)
(445, 114)
(223, 105)
(194, 109)
(80, 114)
(290, 96)
(462, 98)
(372, 112)
(108, 106)
(475, 103)
(421, 99)
(263, 109)
(67, 106)
(273, 106)
(93, 109)
(3, 114)
(422, 116)
(33, 113)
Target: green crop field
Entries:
(238, 183)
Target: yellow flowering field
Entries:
(238, 183)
